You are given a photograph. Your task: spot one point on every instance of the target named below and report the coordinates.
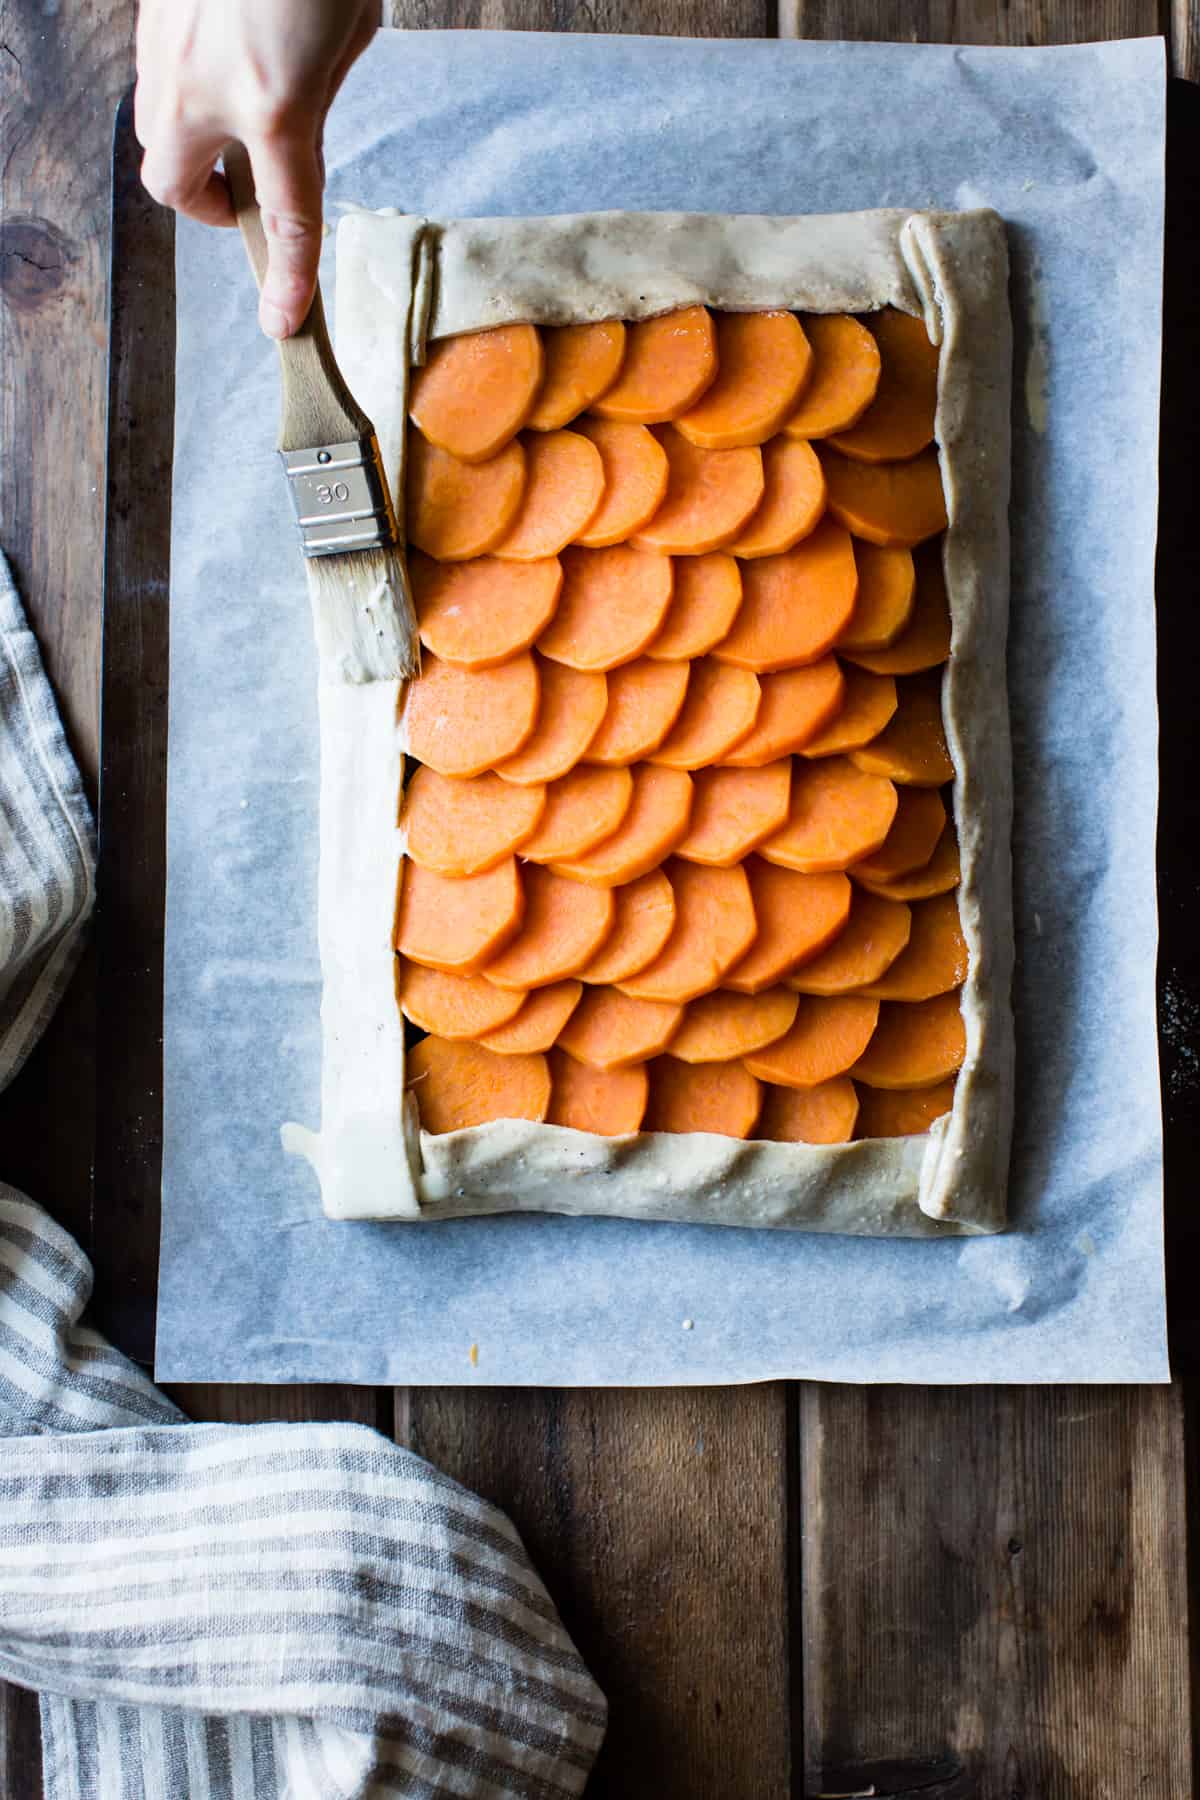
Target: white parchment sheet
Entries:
(256, 1285)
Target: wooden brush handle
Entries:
(318, 407)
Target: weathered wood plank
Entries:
(670, 18)
(971, 21)
(1184, 37)
(221, 1404)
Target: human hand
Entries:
(265, 72)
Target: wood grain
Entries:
(971, 21)
(670, 18)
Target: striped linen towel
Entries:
(234, 1612)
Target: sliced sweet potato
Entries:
(708, 592)
(611, 606)
(583, 807)
(668, 364)
(710, 496)
(722, 1026)
(563, 927)
(844, 379)
(644, 700)
(794, 606)
(937, 876)
(916, 1044)
(581, 363)
(720, 1098)
(897, 505)
(477, 390)
(796, 704)
(541, 1017)
(902, 1112)
(798, 915)
(477, 614)
(919, 823)
(458, 923)
(874, 935)
(656, 821)
(721, 707)
(734, 809)
(828, 1037)
(457, 1085)
(763, 363)
(714, 927)
(460, 827)
(452, 1006)
(464, 721)
(645, 917)
(792, 503)
(925, 640)
(887, 586)
(454, 510)
(612, 1030)
(824, 1114)
(564, 484)
(635, 480)
(934, 961)
(867, 704)
(899, 421)
(839, 814)
(608, 1102)
(911, 748)
(573, 703)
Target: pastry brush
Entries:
(362, 608)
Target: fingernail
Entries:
(273, 322)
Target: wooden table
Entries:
(785, 1590)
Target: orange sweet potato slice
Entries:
(454, 510)
(912, 746)
(581, 362)
(722, 1026)
(839, 814)
(902, 1112)
(874, 935)
(457, 1085)
(934, 961)
(453, 1006)
(564, 483)
(477, 390)
(611, 606)
(763, 363)
(899, 421)
(582, 809)
(937, 876)
(916, 1044)
(887, 587)
(538, 1022)
(669, 362)
(714, 927)
(656, 821)
(798, 915)
(477, 614)
(794, 606)
(828, 1037)
(572, 705)
(463, 721)
(710, 496)
(824, 1114)
(563, 927)
(796, 704)
(608, 1102)
(867, 705)
(458, 923)
(612, 1030)
(720, 1098)
(457, 827)
(735, 809)
(645, 918)
(925, 640)
(644, 700)
(897, 505)
(721, 707)
(844, 379)
(919, 823)
(708, 593)
(792, 503)
(635, 480)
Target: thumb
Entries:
(288, 180)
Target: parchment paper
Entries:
(255, 1284)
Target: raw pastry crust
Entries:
(403, 281)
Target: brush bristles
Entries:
(363, 617)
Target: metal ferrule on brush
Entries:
(341, 498)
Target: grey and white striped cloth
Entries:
(234, 1612)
